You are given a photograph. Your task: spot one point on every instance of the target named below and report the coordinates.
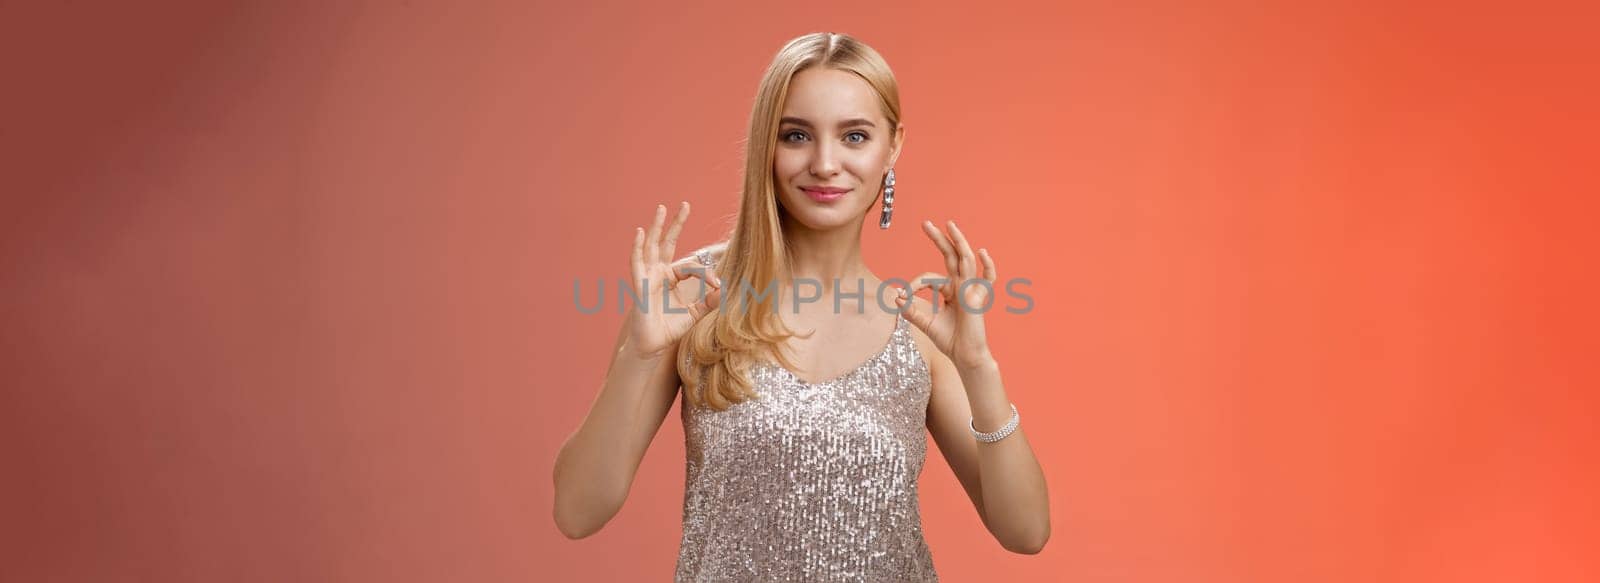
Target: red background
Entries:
(287, 287)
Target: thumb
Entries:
(919, 316)
(707, 304)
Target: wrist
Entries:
(641, 356)
(633, 353)
(979, 363)
(635, 350)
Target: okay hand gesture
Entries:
(670, 308)
(956, 325)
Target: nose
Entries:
(824, 163)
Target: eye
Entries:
(856, 137)
(793, 136)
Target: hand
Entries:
(956, 325)
(652, 329)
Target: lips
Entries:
(825, 194)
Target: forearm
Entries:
(1015, 499)
(596, 465)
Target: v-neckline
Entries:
(898, 323)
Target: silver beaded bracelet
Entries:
(1001, 433)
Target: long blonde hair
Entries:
(725, 344)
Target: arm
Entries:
(597, 464)
(1003, 479)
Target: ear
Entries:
(899, 140)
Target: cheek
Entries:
(867, 164)
(786, 163)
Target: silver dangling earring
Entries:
(888, 200)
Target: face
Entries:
(834, 146)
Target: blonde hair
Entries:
(725, 344)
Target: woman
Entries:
(804, 449)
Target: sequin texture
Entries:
(811, 482)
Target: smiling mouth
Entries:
(825, 195)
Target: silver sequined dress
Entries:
(811, 482)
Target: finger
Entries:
(682, 272)
(969, 262)
(669, 246)
(636, 263)
(931, 280)
(708, 298)
(652, 239)
(939, 239)
(707, 304)
(943, 242)
(988, 265)
(911, 309)
(692, 262)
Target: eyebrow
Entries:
(860, 121)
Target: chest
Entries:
(831, 346)
(880, 408)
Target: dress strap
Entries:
(902, 331)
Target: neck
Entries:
(826, 256)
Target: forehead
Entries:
(821, 94)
